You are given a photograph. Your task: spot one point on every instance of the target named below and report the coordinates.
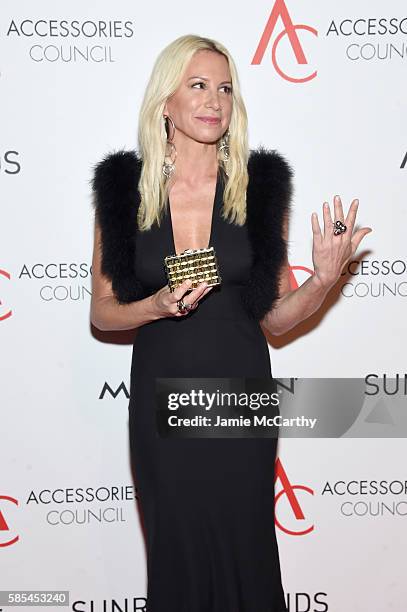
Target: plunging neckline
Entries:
(213, 213)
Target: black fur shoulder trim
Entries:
(116, 202)
(269, 194)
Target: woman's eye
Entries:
(226, 88)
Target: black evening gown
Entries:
(207, 503)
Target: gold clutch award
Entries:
(198, 265)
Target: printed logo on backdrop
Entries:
(359, 499)
(58, 281)
(371, 38)
(9, 164)
(5, 310)
(64, 507)
(308, 602)
(130, 604)
(70, 41)
(290, 48)
(290, 45)
(114, 392)
(8, 521)
(376, 278)
(293, 504)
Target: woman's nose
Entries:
(213, 100)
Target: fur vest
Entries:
(268, 200)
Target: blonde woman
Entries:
(207, 503)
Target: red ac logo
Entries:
(4, 528)
(288, 490)
(8, 313)
(280, 10)
(293, 279)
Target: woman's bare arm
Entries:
(106, 313)
(293, 305)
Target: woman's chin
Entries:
(205, 138)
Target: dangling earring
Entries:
(170, 154)
(224, 146)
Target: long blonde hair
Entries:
(164, 81)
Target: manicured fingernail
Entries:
(357, 202)
(337, 198)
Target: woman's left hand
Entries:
(331, 253)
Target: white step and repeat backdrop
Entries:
(325, 84)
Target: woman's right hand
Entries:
(165, 301)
